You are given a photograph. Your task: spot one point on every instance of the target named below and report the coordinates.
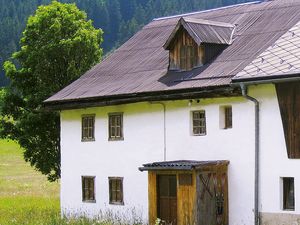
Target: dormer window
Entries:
(194, 42)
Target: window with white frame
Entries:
(115, 126)
(198, 123)
(116, 190)
(88, 128)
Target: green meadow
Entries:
(26, 197)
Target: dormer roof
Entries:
(203, 31)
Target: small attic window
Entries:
(195, 42)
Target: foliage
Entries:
(2, 94)
(119, 19)
(57, 46)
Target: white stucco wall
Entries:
(143, 143)
(273, 156)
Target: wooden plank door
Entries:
(167, 199)
(212, 198)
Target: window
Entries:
(226, 117)
(199, 123)
(88, 128)
(116, 190)
(116, 126)
(88, 189)
(288, 193)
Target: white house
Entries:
(194, 120)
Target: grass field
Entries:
(25, 195)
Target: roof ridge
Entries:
(207, 10)
(207, 22)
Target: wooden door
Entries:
(167, 199)
(212, 198)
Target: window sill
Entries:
(288, 210)
(116, 203)
(198, 135)
(116, 139)
(89, 201)
(88, 140)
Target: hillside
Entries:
(119, 19)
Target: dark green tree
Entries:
(58, 45)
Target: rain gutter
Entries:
(256, 167)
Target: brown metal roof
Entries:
(141, 64)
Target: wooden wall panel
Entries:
(182, 38)
(186, 197)
(152, 197)
(289, 102)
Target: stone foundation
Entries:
(279, 219)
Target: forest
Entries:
(119, 19)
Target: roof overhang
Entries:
(181, 165)
(275, 78)
(203, 31)
(179, 94)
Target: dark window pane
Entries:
(199, 123)
(288, 193)
(88, 123)
(115, 126)
(172, 186)
(115, 190)
(88, 189)
(228, 117)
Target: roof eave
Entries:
(181, 94)
(278, 78)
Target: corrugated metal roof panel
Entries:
(181, 165)
(141, 64)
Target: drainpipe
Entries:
(256, 173)
(165, 127)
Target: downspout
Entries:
(256, 173)
(165, 127)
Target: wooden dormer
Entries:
(194, 42)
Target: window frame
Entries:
(114, 137)
(193, 126)
(83, 189)
(286, 205)
(111, 192)
(84, 116)
(228, 117)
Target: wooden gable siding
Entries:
(184, 39)
(186, 197)
(289, 102)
